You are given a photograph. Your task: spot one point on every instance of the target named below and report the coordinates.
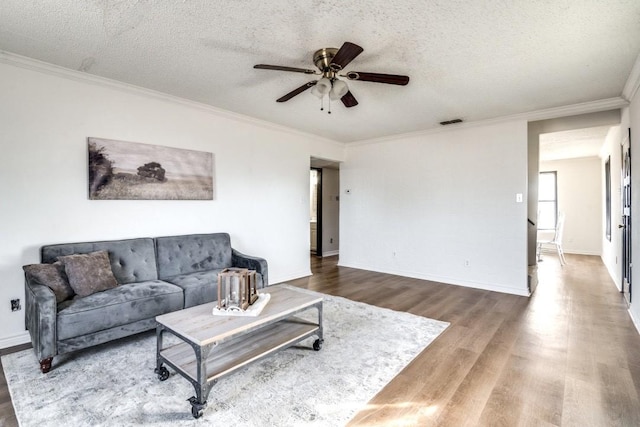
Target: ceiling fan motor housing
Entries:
(330, 61)
(322, 58)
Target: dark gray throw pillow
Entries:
(52, 276)
(89, 273)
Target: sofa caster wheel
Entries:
(163, 373)
(317, 344)
(197, 409)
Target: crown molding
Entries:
(633, 82)
(630, 89)
(531, 116)
(67, 73)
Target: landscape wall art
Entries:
(120, 170)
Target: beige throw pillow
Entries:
(52, 276)
(89, 273)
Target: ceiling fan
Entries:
(330, 61)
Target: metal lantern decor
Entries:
(236, 289)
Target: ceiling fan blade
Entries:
(297, 91)
(281, 68)
(349, 100)
(392, 79)
(346, 54)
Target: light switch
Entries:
(518, 197)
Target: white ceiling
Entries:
(571, 144)
(472, 60)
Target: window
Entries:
(547, 201)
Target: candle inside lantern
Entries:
(235, 292)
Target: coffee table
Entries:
(214, 346)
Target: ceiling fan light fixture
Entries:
(330, 61)
(321, 88)
(338, 90)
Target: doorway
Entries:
(582, 181)
(324, 207)
(315, 210)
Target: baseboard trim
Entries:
(571, 252)
(330, 253)
(445, 280)
(613, 274)
(22, 338)
(579, 252)
(283, 279)
(633, 320)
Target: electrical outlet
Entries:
(15, 304)
(466, 263)
(331, 240)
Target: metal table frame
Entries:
(203, 354)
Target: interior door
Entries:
(626, 218)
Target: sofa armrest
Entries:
(252, 263)
(40, 319)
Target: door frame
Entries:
(318, 212)
(627, 260)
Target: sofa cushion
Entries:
(52, 276)
(192, 253)
(117, 306)
(132, 260)
(89, 273)
(200, 287)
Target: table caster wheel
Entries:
(163, 373)
(317, 344)
(197, 409)
(197, 413)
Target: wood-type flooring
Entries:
(567, 356)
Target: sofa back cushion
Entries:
(132, 260)
(192, 253)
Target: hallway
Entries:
(568, 356)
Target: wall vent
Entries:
(450, 122)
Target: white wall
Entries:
(46, 114)
(421, 205)
(579, 183)
(611, 250)
(631, 119)
(330, 211)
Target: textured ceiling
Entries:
(473, 60)
(571, 144)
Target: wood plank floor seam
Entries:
(567, 356)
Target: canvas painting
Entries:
(120, 170)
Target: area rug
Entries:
(114, 384)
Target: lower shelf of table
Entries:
(229, 356)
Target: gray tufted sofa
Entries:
(154, 275)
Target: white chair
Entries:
(556, 241)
